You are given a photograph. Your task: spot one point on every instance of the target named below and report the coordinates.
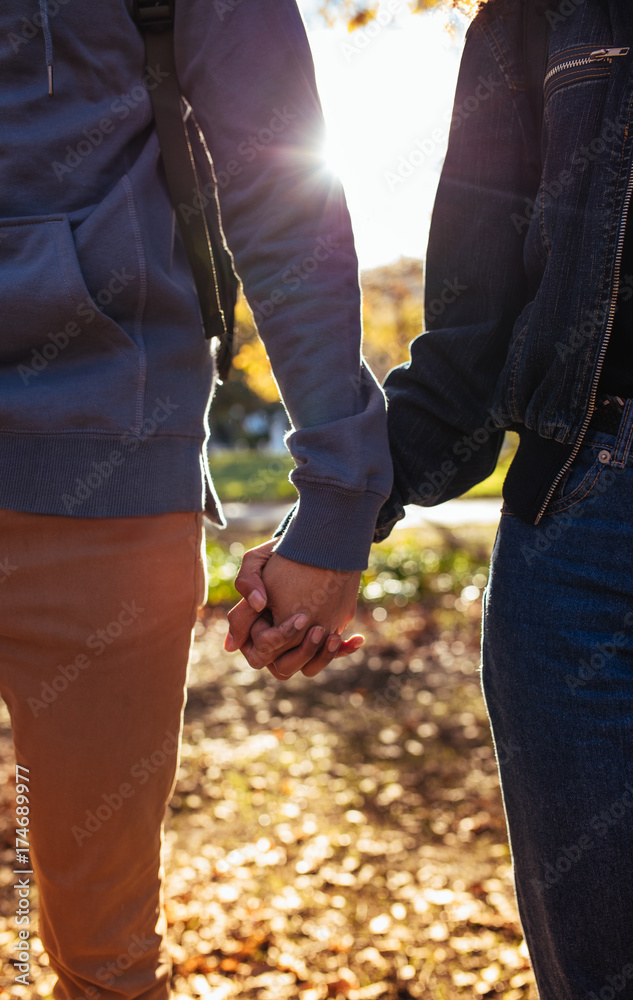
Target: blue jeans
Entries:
(558, 684)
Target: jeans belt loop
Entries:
(623, 443)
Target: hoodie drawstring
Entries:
(48, 41)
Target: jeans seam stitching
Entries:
(557, 510)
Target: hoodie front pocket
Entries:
(64, 364)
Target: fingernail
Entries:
(358, 642)
(317, 634)
(333, 643)
(229, 644)
(257, 600)
(300, 622)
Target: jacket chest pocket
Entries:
(578, 65)
(575, 135)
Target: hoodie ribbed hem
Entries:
(330, 527)
(88, 476)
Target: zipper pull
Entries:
(608, 53)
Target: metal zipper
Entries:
(603, 349)
(598, 55)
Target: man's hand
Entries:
(307, 609)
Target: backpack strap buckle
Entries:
(154, 15)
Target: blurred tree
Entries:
(392, 313)
(251, 360)
(392, 317)
(250, 388)
(359, 12)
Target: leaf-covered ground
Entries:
(338, 837)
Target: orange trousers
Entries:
(96, 619)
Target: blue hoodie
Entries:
(105, 374)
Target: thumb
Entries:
(241, 619)
(249, 581)
(251, 587)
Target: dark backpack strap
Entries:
(535, 54)
(198, 215)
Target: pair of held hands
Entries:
(292, 615)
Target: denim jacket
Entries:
(524, 261)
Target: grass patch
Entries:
(257, 477)
(491, 487)
(252, 476)
(431, 564)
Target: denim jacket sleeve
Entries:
(247, 71)
(443, 432)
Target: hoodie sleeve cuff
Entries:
(330, 527)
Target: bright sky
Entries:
(387, 91)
